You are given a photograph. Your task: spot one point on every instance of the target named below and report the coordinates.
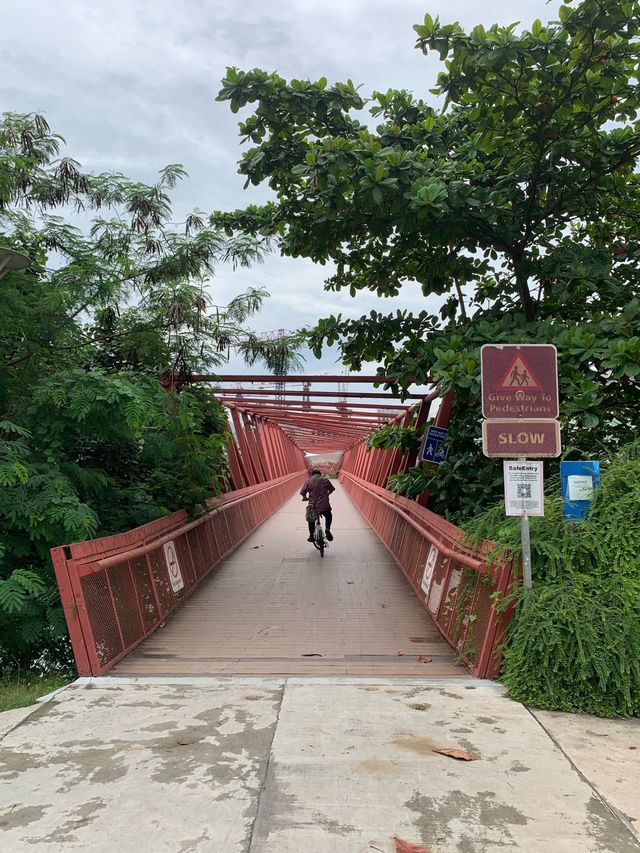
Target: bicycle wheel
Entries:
(319, 538)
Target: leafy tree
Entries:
(90, 442)
(514, 199)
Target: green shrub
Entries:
(575, 646)
(574, 641)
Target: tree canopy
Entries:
(90, 443)
(511, 194)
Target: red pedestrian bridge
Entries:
(239, 590)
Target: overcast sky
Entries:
(131, 85)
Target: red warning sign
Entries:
(519, 375)
(519, 381)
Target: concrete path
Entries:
(274, 607)
(317, 766)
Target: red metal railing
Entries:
(117, 590)
(453, 580)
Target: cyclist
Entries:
(317, 490)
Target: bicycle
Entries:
(320, 541)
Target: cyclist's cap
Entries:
(314, 472)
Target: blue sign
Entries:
(579, 482)
(434, 449)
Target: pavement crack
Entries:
(611, 809)
(265, 775)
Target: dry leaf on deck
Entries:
(407, 847)
(424, 659)
(460, 754)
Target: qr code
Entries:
(524, 490)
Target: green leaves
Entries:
(90, 443)
(18, 588)
(573, 647)
(393, 436)
(511, 206)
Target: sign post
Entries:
(524, 496)
(520, 403)
(525, 539)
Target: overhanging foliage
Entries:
(512, 196)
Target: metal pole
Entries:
(526, 551)
(525, 539)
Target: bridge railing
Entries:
(452, 578)
(119, 589)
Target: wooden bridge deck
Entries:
(274, 607)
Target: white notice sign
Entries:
(428, 569)
(580, 487)
(523, 488)
(175, 575)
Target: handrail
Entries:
(141, 551)
(113, 603)
(460, 556)
(458, 589)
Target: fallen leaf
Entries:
(420, 706)
(424, 659)
(407, 847)
(399, 653)
(459, 754)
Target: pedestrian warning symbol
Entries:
(519, 381)
(519, 375)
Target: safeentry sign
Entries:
(523, 488)
(519, 381)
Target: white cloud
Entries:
(132, 86)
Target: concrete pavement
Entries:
(292, 765)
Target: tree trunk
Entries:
(522, 283)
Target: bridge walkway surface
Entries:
(275, 607)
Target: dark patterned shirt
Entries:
(318, 489)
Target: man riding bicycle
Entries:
(318, 489)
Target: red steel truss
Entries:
(326, 421)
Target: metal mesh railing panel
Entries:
(107, 642)
(126, 603)
(449, 576)
(114, 602)
(144, 589)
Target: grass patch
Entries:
(20, 691)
